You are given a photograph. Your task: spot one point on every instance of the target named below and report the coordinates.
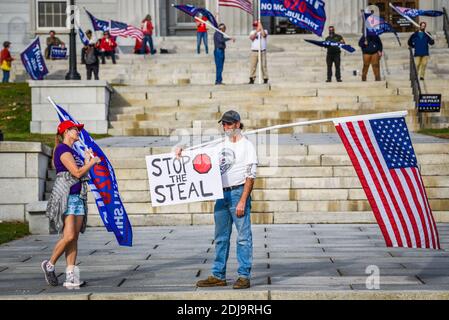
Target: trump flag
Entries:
(382, 154)
(103, 185)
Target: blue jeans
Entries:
(219, 55)
(201, 36)
(6, 76)
(147, 39)
(224, 216)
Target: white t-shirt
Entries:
(235, 161)
(255, 42)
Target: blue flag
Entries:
(306, 14)
(98, 25)
(33, 60)
(84, 39)
(193, 11)
(103, 185)
(327, 44)
(376, 26)
(413, 13)
(58, 53)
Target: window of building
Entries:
(182, 18)
(51, 14)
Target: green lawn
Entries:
(12, 230)
(440, 133)
(15, 115)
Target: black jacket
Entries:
(374, 44)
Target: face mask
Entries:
(230, 133)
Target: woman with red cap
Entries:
(67, 207)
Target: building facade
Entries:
(22, 20)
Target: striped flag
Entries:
(245, 5)
(120, 29)
(382, 153)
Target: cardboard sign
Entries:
(193, 177)
(429, 103)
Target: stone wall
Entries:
(23, 172)
(87, 101)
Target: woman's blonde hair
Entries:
(58, 140)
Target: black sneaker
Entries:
(339, 80)
(50, 276)
(265, 81)
(328, 80)
(251, 81)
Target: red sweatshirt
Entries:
(106, 45)
(5, 55)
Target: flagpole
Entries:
(81, 141)
(218, 11)
(409, 19)
(306, 123)
(260, 43)
(211, 26)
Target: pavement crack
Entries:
(3, 269)
(419, 279)
(318, 239)
(148, 257)
(135, 269)
(155, 247)
(26, 259)
(92, 252)
(269, 280)
(268, 255)
(339, 273)
(164, 238)
(403, 265)
(268, 266)
(171, 231)
(107, 243)
(208, 249)
(121, 282)
(198, 273)
(331, 260)
(213, 241)
(205, 260)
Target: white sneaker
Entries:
(72, 281)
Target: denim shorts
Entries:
(75, 206)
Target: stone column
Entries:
(345, 15)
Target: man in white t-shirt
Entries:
(258, 38)
(238, 164)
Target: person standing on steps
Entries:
(333, 55)
(201, 35)
(238, 164)
(420, 41)
(258, 38)
(67, 207)
(6, 61)
(372, 49)
(219, 52)
(147, 28)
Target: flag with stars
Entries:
(383, 157)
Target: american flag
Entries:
(384, 159)
(125, 30)
(246, 5)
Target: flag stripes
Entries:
(245, 5)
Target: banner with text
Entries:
(193, 177)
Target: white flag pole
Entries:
(218, 11)
(62, 116)
(306, 123)
(409, 19)
(260, 43)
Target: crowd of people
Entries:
(106, 47)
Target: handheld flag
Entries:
(122, 29)
(33, 60)
(103, 185)
(84, 39)
(193, 11)
(97, 24)
(376, 25)
(413, 13)
(309, 15)
(327, 44)
(383, 157)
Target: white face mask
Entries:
(230, 133)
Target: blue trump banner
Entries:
(103, 185)
(327, 44)
(376, 26)
(84, 39)
(306, 14)
(58, 53)
(97, 24)
(193, 11)
(413, 13)
(33, 60)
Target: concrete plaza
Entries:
(309, 261)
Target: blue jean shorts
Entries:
(75, 206)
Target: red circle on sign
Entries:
(202, 163)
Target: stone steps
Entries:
(303, 184)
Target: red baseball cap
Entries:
(63, 126)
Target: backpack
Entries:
(91, 57)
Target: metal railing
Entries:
(416, 86)
(446, 25)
